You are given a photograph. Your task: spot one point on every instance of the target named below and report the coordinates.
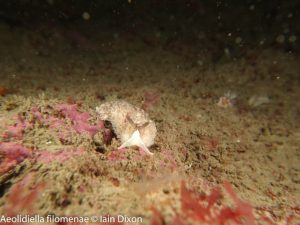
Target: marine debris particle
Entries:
(131, 124)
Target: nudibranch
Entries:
(131, 124)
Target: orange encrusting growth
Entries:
(3, 91)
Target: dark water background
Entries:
(236, 25)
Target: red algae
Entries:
(117, 155)
(80, 119)
(242, 209)
(203, 209)
(168, 160)
(13, 154)
(157, 217)
(142, 155)
(191, 206)
(16, 131)
(21, 198)
(194, 208)
(79, 122)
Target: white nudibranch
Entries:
(131, 124)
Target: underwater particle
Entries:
(50, 2)
(228, 100)
(251, 7)
(86, 16)
(292, 38)
(157, 34)
(256, 100)
(116, 35)
(286, 30)
(238, 40)
(172, 18)
(131, 124)
(280, 39)
(227, 52)
(200, 62)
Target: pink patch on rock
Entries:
(82, 188)
(60, 156)
(71, 111)
(22, 198)
(168, 160)
(142, 155)
(13, 154)
(36, 113)
(80, 119)
(16, 131)
(79, 122)
(117, 155)
(54, 123)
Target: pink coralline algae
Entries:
(60, 156)
(49, 120)
(80, 119)
(21, 199)
(16, 131)
(117, 155)
(141, 156)
(168, 160)
(11, 155)
(79, 122)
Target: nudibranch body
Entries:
(131, 124)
